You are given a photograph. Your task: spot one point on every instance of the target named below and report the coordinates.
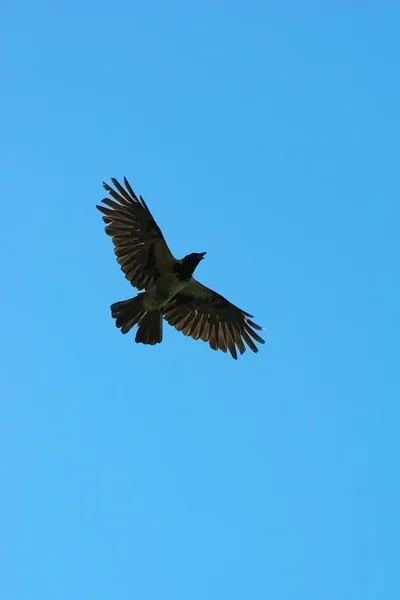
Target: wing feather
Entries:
(198, 332)
(203, 314)
(253, 334)
(248, 340)
(221, 336)
(189, 329)
(230, 342)
(139, 244)
(213, 337)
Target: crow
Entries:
(171, 292)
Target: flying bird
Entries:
(170, 291)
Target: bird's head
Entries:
(191, 261)
(195, 257)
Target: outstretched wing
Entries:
(203, 314)
(140, 247)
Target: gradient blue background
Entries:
(268, 135)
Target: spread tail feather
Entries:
(128, 313)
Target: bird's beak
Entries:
(202, 254)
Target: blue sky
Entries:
(268, 135)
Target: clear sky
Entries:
(267, 134)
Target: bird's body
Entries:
(171, 292)
(165, 288)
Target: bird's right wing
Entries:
(203, 314)
(140, 247)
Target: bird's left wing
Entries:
(203, 314)
(141, 249)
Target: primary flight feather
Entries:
(171, 293)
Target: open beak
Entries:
(202, 254)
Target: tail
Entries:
(131, 312)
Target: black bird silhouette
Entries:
(170, 290)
